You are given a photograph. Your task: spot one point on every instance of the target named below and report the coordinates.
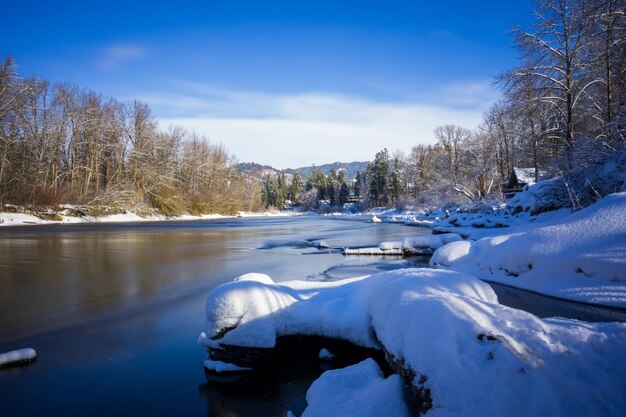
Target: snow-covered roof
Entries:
(527, 175)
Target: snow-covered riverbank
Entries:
(581, 257)
(466, 353)
(19, 219)
(460, 351)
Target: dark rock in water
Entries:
(303, 350)
(242, 356)
(294, 349)
(421, 398)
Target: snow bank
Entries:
(467, 352)
(259, 310)
(14, 219)
(17, 357)
(602, 172)
(580, 258)
(359, 390)
(420, 245)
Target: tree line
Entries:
(563, 108)
(63, 144)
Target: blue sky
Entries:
(284, 83)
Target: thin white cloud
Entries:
(298, 130)
(116, 56)
(291, 130)
(475, 94)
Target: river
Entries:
(114, 310)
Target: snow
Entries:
(359, 390)
(270, 214)
(325, 355)
(527, 175)
(424, 245)
(580, 258)
(600, 177)
(223, 367)
(473, 355)
(16, 219)
(13, 219)
(260, 310)
(17, 356)
(321, 244)
(375, 219)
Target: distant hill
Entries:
(350, 167)
(257, 170)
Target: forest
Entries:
(563, 109)
(563, 112)
(62, 144)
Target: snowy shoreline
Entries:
(495, 357)
(443, 330)
(9, 219)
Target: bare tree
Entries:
(554, 60)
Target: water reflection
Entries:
(282, 385)
(114, 311)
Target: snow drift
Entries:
(580, 258)
(469, 354)
(359, 390)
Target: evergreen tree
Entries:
(344, 193)
(358, 184)
(396, 183)
(282, 190)
(341, 176)
(378, 178)
(296, 187)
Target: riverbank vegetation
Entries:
(563, 113)
(63, 144)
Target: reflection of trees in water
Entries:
(281, 383)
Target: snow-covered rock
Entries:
(359, 390)
(223, 367)
(465, 351)
(326, 355)
(581, 257)
(375, 219)
(16, 357)
(420, 245)
(320, 244)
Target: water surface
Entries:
(114, 311)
